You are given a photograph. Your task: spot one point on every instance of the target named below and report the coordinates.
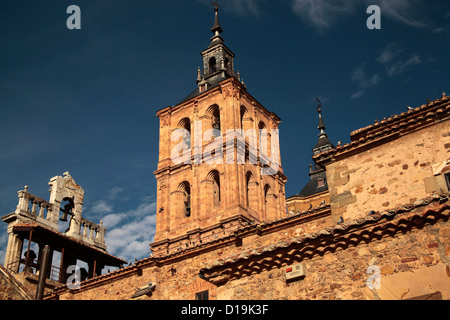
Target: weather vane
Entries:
(319, 105)
(216, 4)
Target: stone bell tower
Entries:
(35, 224)
(219, 163)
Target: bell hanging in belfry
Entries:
(66, 211)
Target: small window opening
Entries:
(212, 65)
(187, 204)
(216, 119)
(320, 183)
(216, 190)
(447, 179)
(185, 187)
(203, 295)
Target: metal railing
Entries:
(32, 267)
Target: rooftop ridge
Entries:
(385, 127)
(210, 271)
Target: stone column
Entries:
(176, 209)
(271, 207)
(206, 198)
(75, 221)
(253, 196)
(13, 249)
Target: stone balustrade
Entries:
(33, 206)
(92, 232)
(37, 209)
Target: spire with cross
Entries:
(216, 28)
(217, 58)
(324, 143)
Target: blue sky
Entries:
(84, 101)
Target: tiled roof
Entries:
(413, 118)
(312, 187)
(421, 208)
(210, 85)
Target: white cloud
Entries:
(322, 13)
(403, 11)
(363, 81)
(389, 53)
(244, 6)
(358, 94)
(394, 61)
(240, 7)
(101, 207)
(130, 233)
(112, 219)
(114, 192)
(440, 30)
(402, 66)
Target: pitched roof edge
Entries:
(393, 125)
(20, 287)
(400, 212)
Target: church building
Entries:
(371, 223)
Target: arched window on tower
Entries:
(248, 177)
(243, 114)
(215, 177)
(212, 65)
(185, 124)
(266, 192)
(261, 125)
(264, 141)
(216, 118)
(227, 64)
(186, 189)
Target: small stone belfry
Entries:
(65, 189)
(229, 143)
(36, 222)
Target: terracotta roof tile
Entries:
(403, 121)
(443, 201)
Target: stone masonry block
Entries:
(341, 196)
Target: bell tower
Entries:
(217, 58)
(219, 165)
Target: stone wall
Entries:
(411, 251)
(177, 275)
(300, 204)
(10, 288)
(389, 174)
(411, 264)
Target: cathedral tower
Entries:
(219, 160)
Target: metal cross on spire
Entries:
(321, 126)
(319, 105)
(216, 29)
